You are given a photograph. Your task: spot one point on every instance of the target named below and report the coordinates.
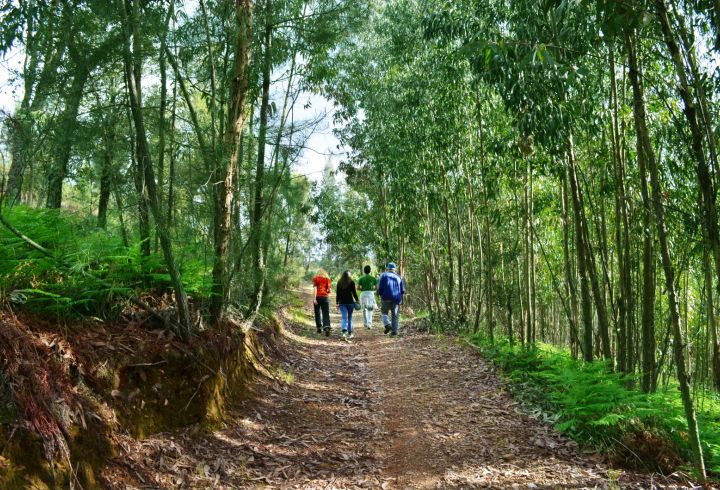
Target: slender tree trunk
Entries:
(448, 243)
(287, 246)
(646, 152)
(460, 263)
(508, 296)
(162, 119)
(705, 115)
(106, 177)
(648, 295)
(521, 300)
(622, 326)
(520, 271)
(527, 245)
(626, 310)
(598, 292)
(211, 155)
(139, 181)
(432, 273)
(18, 149)
(133, 69)
(585, 300)
(712, 319)
(532, 298)
(118, 204)
(234, 129)
(256, 222)
(170, 206)
(570, 284)
(489, 281)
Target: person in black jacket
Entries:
(346, 297)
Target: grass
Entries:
(595, 407)
(287, 376)
(297, 315)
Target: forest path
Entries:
(413, 412)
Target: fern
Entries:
(593, 405)
(88, 254)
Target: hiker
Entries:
(367, 285)
(321, 293)
(391, 288)
(346, 298)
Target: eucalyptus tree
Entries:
(703, 146)
(345, 222)
(133, 61)
(415, 134)
(89, 44)
(61, 42)
(236, 117)
(565, 171)
(44, 48)
(549, 89)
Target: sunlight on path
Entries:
(415, 412)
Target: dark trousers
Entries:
(390, 314)
(322, 305)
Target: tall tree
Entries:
(236, 118)
(133, 60)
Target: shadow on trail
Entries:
(376, 412)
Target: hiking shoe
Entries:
(350, 336)
(394, 334)
(369, 327)
(319, 330)
(387, 329)
(327, 332)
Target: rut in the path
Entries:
(411, 412)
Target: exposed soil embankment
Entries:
(66, 393)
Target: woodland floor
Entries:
(413, 412)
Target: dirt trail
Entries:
(411, 412)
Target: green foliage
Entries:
(12, 24)
(90, 272)
(594, 406)
(345, 217)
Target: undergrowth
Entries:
(90, 271)
(598, 408)
(7, 405)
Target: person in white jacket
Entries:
(367, 285)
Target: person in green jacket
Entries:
(367, 285)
